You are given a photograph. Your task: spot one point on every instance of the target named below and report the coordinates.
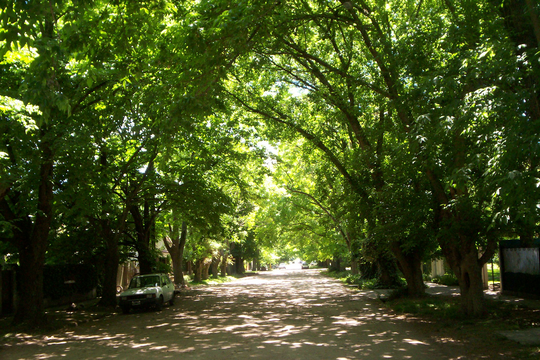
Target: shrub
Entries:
(446, 279)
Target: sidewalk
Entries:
(436, 289)
(526, 337)
(443, 290)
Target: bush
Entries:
(353, 279)
(446, 279)
(369, 284)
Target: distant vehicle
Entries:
(305, 265)
(282, 266)
(147, 291)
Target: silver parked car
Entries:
(147, 291)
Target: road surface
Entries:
(282, 314)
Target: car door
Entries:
(168, 288)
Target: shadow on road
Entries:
(277, 315)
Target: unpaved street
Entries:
(282, 314)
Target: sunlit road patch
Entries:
(283, 314)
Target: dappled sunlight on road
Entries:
(280, 314)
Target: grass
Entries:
(214, 281)
(437, 308)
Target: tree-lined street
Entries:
(205, 138)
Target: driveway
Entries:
(282, 314)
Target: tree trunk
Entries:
(33, 246)
(387, 271)
(223, 264)
(215, 267)
(199, 263)
(410, 265)
(354, 267)
(239, 265)
(30, 306)
(176, 250)
(143, 224)
(111, 262)
(206, 267)
(464, 262)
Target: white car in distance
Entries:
(147, 291)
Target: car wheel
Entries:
(125, 309)
(159, 303)
(171, 302)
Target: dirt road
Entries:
(282, 314)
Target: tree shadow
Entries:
(283, 315)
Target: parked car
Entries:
(305, 265)
(147, 291)
(282, 266)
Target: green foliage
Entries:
(394, 124)
(360, 280)
(438, 308)
(446, 279)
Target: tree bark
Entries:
(468, 270)
(176, 250)
(239, 265)
(410, 265)
(197, 274)
(111, 262)
(206, 267)
(215, 267)
(223, 264)
(143, 224)
(33, 247)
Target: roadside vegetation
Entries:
(442, 317)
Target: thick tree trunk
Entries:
(176, 250)
(387, 271)
(464, 262)
(206, 267)
(197, 275)
(215, 267)
(146, 262)
(30, 306)
(354, 267)
(223, 264)
(239, 265)
(110, 271)
(32, 249)
(143, 224)
(410, 265)
(176, 265)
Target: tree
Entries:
(424, 74)
(73, 63)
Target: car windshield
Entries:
(144, 281)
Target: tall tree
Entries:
(79, 52)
